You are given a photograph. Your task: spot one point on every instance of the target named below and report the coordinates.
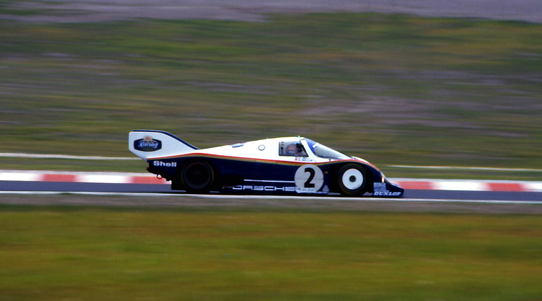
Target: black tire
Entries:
(198, 177)
(352, 180)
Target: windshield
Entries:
(325, 152)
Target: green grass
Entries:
(392, 89)
(53, 253)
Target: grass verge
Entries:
(54, 253)
(392, 89)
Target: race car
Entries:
(287, 165)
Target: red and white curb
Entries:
(80, 177)
(147, 178)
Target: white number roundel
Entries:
(308, 178)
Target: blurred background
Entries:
(412, 82)
(448, 83)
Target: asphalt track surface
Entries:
(443, 195)
(153, 196)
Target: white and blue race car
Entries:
(289, 165)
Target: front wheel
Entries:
(352, 180)
(198, 177)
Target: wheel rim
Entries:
(197, 175)
(352, 179)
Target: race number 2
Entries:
(308, 179)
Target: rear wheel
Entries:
(198, 177)
(352, 180)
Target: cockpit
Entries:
(296, 148)
(292, 149)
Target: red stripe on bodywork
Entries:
(58, 178)
(506, 187)
(422, 185)
(147, 180)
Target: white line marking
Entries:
(267, 197)
(109, 179)
(534, 186)
(459, 185)
(55, 172)
(68, 157)
(19, 176)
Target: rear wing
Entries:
(151, 144)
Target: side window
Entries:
(292, 149)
